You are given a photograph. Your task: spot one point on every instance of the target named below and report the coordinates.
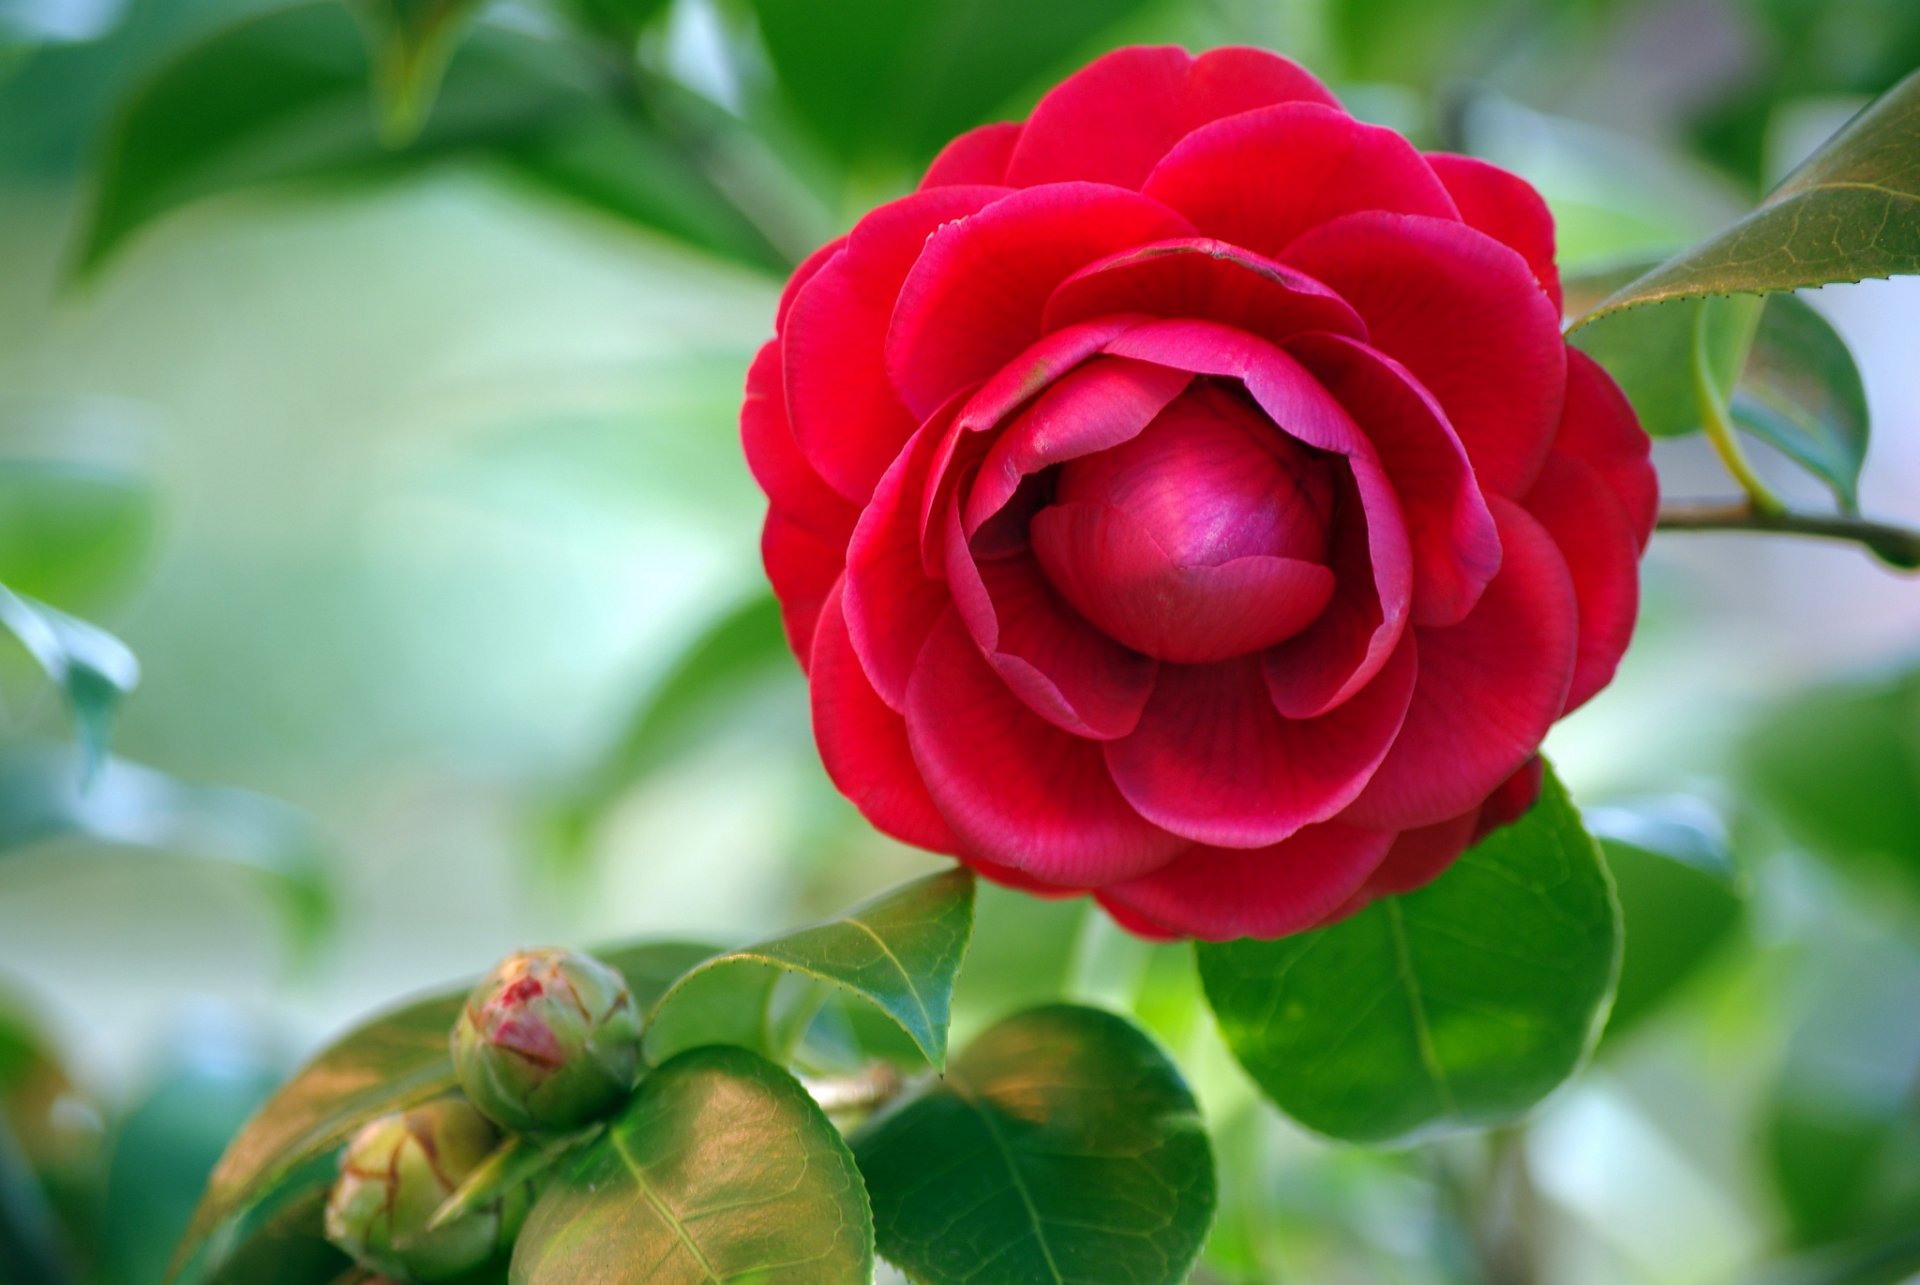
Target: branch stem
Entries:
(1897, 546)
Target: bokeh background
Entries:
(409, 473)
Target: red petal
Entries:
(1464, 314)
(1016, 789)
(1104, 402)
(783, 473)
(892, 602)
(974, 299)
(1455, 547)
(1213, 762)
(1347, 644)
(1597, 539)
(1112, 121)
(977, 156)
(804, 569)
(1600, 428)
(1064, 669)
(1507, 208)
(1262, 178)
(845, 416)
(809, 267)
(1206, 279)
(864, 744)
(1217, 894)
(1489, 688)
(1416, 859)
(1119, 577)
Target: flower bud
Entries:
(396, 1172)
(549, 1041)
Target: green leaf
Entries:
(412, 41)
(900, 952)
(724, 666)
(1658, 355)
(893, 80)
(93, 668)
(1839, 768)
(618, 20)
(31, 1242)
(392, 1062)
(1851, 210)
(71, 533)
(1801, 394)
(1681, 898)
(721, 1169)
(1061, 1146)
(515, 1162)
(284, 97)
(45, 796)
(1459, 1005)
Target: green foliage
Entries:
(1681, 899)
(411, 43)
(1459, 1005)
(90, 666)
(284, 97)
(900, 952)
(1848, 212)
(69, 532)
(1061, 1146)
(893, 80)
(721, 1168)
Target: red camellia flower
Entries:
(1186, 496)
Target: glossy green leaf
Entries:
(900, 952)
(1657, 355)
(1839, 768)
(284, 97)
(94, 669)
(1681, 898)
(1459, 1005)
(721, 1169)
(392, 1062)
(727, 664)
(47, 796)
(1801, 394)
(1061, 1146)
(893, 80)
(1851, 210)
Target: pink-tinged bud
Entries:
(549, 1041)
(396, 1172)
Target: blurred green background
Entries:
(402, 453)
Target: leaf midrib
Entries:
(660, 1207)
(966, 1094)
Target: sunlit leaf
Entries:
(899, 952)
(895, 79)
(1681, 897)
(1060, 1146)
(721, 1169)
(92, 668)
(1851, 210)
(1459, 1005)
(395, 1061)
(284, 98)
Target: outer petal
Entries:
(1489, 688)
(1217, 894)
(1063, 668)
(1600, 428)
(977, 156)
(1262, 178)
(1112, 121)
(1199, 277)
(845, 416)
(892, 602)
(1597, 539)
(808, 269)
(791, 484)
(1455, 547)
(974, 299)
(864, 744)
(804, 569)
(1017, 790)
(1507, 208)
(1212, 760)
(1464, 314)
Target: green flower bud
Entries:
(396, 1172)
(549, 1041)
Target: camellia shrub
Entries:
(1190, 498)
